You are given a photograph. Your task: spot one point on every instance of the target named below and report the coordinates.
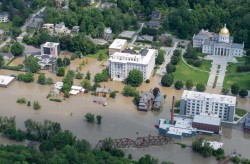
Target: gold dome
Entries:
(224, 30)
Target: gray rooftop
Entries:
(209, 120)
(156, 15)
(60, 25)
(143, 52)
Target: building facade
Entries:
(4, 17)
(120, 64)
(194, 103)
(50, 48)
(218, 44)
(118, 45)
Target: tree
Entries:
(135, 78)
(17, 49)
(1, 61)
(200, 87)
(82, 146)
(36, 105)
(235, 88)
(128, 91)
(206, 150)
(66, 61)
(86, 84)
(177, 53)
(88, 76)
(243, 93)
(41, 79)
(197, 144)
(61, 71)
(174, 60)
(49, 81)
(90, 117)
(170, 68)
(189, 84)
(147, 159)
(17, 21)
(160, 58)
(248, 52)
(167, 80)
(107, 144)
(79, 75)
(113, 94)
(225, 91)
(137, 98)
(31, 64)
(98, 78)
(99, 119)
(178, 85)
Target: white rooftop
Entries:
(58, 85)
(215, 145)
(5, 80)
(231, 100)
(118, 43)
(121, 57)
(50, 44)
(209, 120)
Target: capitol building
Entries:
(218, 44)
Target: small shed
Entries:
(103, 92)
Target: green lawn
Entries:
(199, 54)
(242, 79)
(241, 59)
(5, 26)
(240, 112)
(104, 51)
(206, 65)
(184, 72)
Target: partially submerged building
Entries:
(181, 128)
(5, 81)
(103, 92)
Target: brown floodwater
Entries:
(121, 119)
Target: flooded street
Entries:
(121, 119)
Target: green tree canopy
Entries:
(243, 93)
(167, 80)
(31, 64)
(189, 84)
(178, 85)
(160, 58)
(17, 49)
(235, 88)
(135, 78)
(200, 87)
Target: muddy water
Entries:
(120, 118)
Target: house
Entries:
(157, 104)
(48, 26)
(156, 15)
(60, 28)
(4, 17)
(1, 33)
(107, 5)
(154, 24)
(146, 100)
(5, 81)
(107, 33)
(103, 92)
(75, 29)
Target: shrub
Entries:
(225, 91)
(56, 100)
(235, 88)
(79, 75)
(36, 105)
(243, 93)
(200, 87)
(129, 91)
(189, 84)
(21, 101)
(167, 80)
(170, 68)
(28, 104)
(174, 60)
(147, 81)
(49, 81)
(90, 117)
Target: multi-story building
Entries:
(50, 48)
(118, 45)
(193, 103)
(4, 17)
(218, 44)
(120, 64)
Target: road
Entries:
(29, 20)
(136, 35)
(162, 70)
(5, 42)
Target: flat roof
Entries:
(120, 57)
(50, 44)
(209, 120)
(118, 43)
(215, 145)
(231, 100)
(5, 80)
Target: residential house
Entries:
(48, 26)
(60, 28)
(107, 33)
(155, 15)
(4, 17)
(75, 29)
(103, 92)
(146, 100)
(154, 24)
(157, 104)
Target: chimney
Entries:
(172, 112)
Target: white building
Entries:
(218, 44)
(5, 81)
(118, 45)
(61, 28)
(194, 103)
(4, 17)
(50, 48)
(121, 63)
